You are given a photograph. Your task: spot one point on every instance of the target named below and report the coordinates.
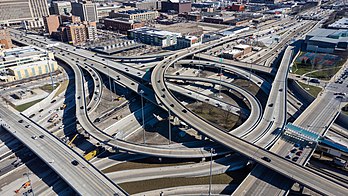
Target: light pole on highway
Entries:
(49, 65)
(220, 96)
(107, 66)
(211, 168)
(251, 67)
(169, 128)
(142, 114)
(31, 187)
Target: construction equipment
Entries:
(71, 141)
(25, 185)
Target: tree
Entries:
(227, 113)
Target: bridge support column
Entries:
(301, 188)
(203, 159)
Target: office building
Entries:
(79, 33)
(5, 39)
(61, 7)
(176, 6)
(86, 10)
(52, 23)
(187, 41)
(145, 5)
(154, 37)
(24, 62)
(23, 12)
(121, 25)
(137, 15)
(327, 40)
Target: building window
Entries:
(47, 70)
(40, 70)
(33, 70)
(26, 73)
(19, 75)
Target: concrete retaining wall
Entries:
(301, 93)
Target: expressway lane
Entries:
(84, 178)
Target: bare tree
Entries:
(227, 113)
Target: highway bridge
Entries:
(256, 153)
(157, 79)
(84, 178)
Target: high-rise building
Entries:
(61, 7)
(86, 10)
(5, 39)
(15, 12)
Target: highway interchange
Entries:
(252, 139)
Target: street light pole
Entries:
(211, 168)
(31, 187)
(220, 96)
(251, 67)
(49, 67)
(169, 128)
(142, 113)
(107, 65)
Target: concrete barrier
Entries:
(301, 93)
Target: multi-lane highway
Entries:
(83, 178)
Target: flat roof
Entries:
(242, 46)
(9, 54)
(156, 32)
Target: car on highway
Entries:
(74, 162)
(41, 136)
(40, 110)
(27, 126)
(20, 121)
(32, 115)
(34, 137)
(295, 159)
(266, 159)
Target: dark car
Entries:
(266, 159)
(20, 121)
(74, 162)
(293, 150)
(295, 159)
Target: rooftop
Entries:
(20, 52)
(155, 32)
(328, 35)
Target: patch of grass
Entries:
(25, 106)
(234, 177)
(63, 86)
(313, 90)
(326, 74)
(217, 116)
(48, 87)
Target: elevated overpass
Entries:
(254, 152)
(84, 178)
